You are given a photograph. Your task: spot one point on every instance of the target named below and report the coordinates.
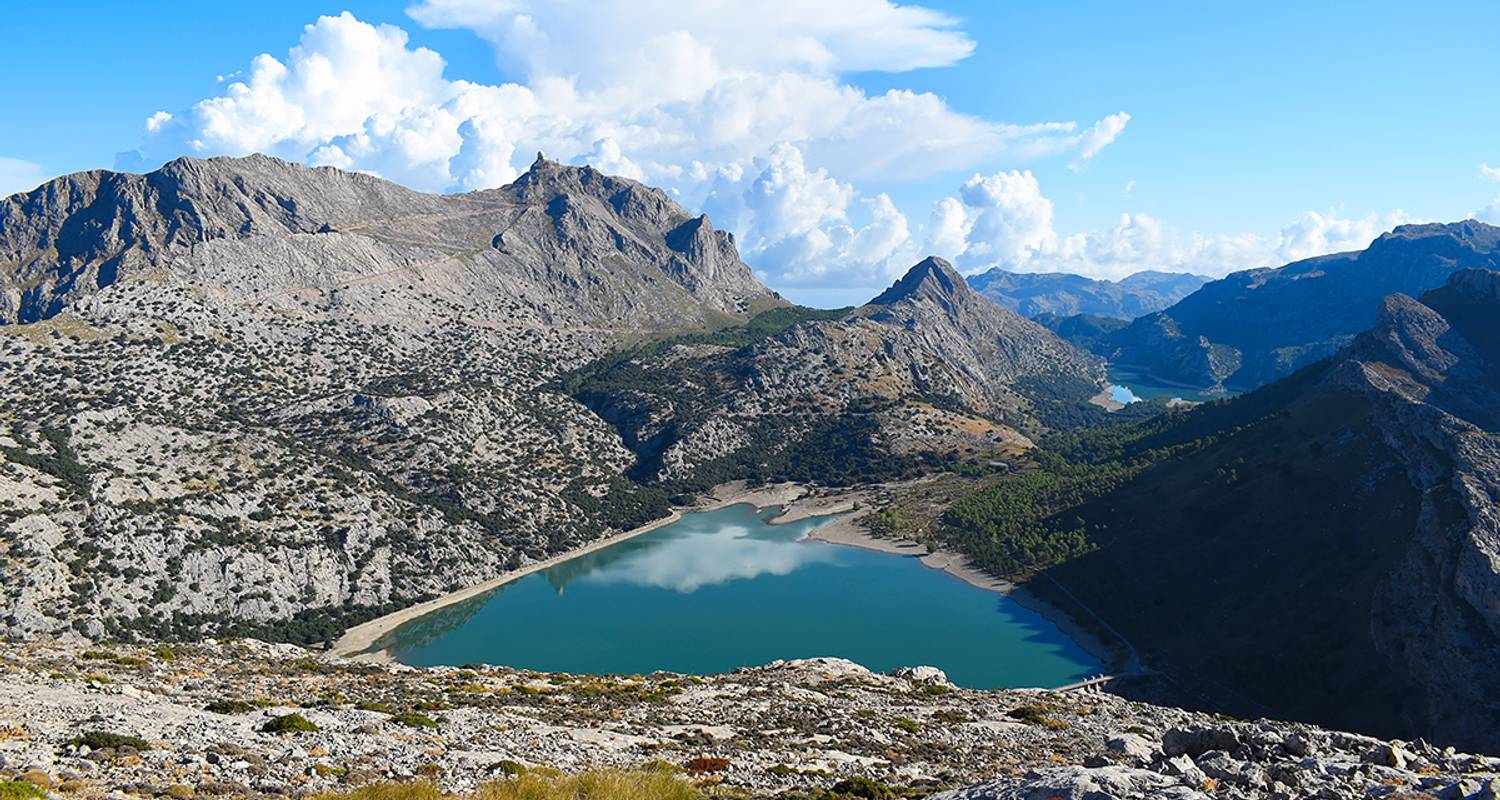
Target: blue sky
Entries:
(1256, 133)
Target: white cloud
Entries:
(591, 39)
(157, 121)
(1490, 213)
(737, 108)
(1097, 137)
(19, 176)
(1005, 220)
(946, 228)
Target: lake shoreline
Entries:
(797, 502)
(356, 642)
(846, 531)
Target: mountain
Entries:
(924, 371)
(1255, 326)
(561, 245)
(1323, 548)
(268, 399)
(1032, 294)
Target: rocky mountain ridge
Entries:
(928, 367)
(1327, 544)
(1257, 325)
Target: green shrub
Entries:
(412, 719)
(19, 789)
(289, 723)
(1037, 715)
(867, 788)
(105, 740)
(508, 768)
(374, 705)
(229, 707)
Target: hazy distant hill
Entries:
(1032, 294)
(1260, 324)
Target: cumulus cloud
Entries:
(737, 108)
(17, 175)
(1005, 220)
(1491, 212)
(1097, 137)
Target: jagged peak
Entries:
(930, 276)
(1468, 235)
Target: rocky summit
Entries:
(926, 369)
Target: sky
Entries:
(840, 141)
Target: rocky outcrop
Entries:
(1431, 366)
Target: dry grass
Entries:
(538, 785)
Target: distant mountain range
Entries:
(1255, 326)
(1032, 294)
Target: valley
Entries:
(517, 426)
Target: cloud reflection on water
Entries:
(732, 552)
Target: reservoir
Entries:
(1129, 385)
(723, 589)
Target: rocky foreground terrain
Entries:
(199, 720)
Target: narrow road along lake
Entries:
(723, 589)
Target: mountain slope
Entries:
(1032, 294)
(1325, 548)
(1255, 326)
(563, 245)
(272, 399)
(926, 370)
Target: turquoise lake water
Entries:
(722, 589)
(1128, 386)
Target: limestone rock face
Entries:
(568, 245)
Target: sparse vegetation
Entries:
(107, 740)
(534, 785)
(289, 723)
